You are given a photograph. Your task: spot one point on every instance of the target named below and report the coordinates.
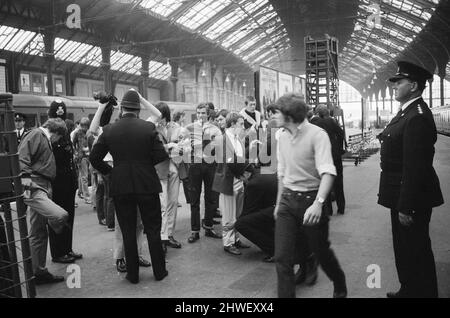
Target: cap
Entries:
(19, 117)
(131, 100)
(411, 71)
(57, 109)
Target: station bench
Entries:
(360, 147)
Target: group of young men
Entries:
(273, 182)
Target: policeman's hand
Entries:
(405, 219)
(313, 214)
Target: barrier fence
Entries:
(16, 274)
(361, 146)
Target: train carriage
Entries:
(441, 116)
(35, 108)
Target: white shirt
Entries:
(304, 158)
(235, 142)
(409, 103)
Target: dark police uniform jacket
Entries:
(135, 147)
(408, 181)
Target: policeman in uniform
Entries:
(19, 121)
(135, 147)
(409, 186)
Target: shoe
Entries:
(180, 205)
(171, 242)
(340, 289)
(300, 276)
(239, 244)
(102, 222)
(75, 255)
(312, 271)
(162, 276)
(340, 212)
(232, 250)
(66, 259)
(211, 233)
(133, 280)
(195, 236)
(47, 278)
(121, 265)
(268, 259)
(399, 294)
(143, 262)
(111, 229)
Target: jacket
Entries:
(136, 148)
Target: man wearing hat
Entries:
(135, 147)
(409, 186)
(19, 120)
(64, 187)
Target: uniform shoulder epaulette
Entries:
(419, 109)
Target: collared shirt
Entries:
(409, 103)
(235, 142)
(304, 157)
(201, 136)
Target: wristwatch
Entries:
(320, 199)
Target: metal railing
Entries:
(16, 274)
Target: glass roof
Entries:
(401, 21)
(16, 40)
(244, 27)
(162, 7)
(201, 12)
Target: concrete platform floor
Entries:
(360, 238)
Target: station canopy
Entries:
(271, 33)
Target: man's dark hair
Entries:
(205, 106)
(56, 126)
(223, 113)
(165, 110)
(177, 115)
(272, 108)
(294, 106)
(322, 111)
(232, 119)
(210, 105)
(249, 99)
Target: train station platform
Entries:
(360, 238)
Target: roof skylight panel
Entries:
(162, 7)
(223, 24)
(201, 12)
(12, 39)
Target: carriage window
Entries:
(31, 121)
(43, 118)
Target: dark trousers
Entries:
(105, 204)
(338, 186)
(186, 190)
(289, 223)
(100, 198)
(61, 244)
(150, 209)
(260, 192)
(414, 257)
(201, 173)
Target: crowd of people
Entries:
(269, 177)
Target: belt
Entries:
(298, 193)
